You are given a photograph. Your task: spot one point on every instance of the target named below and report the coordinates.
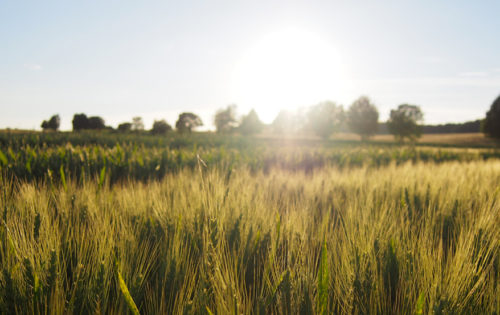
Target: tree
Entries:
(325, 118)
(284, 123)
(403, 122)
(80, 122)
(160, 127)
(96, 123)
(187, 121)
(137, 124)
(125, 127)
(225, 119)
(491, 124)
(250, 124)
(52, 124)
(362, 118)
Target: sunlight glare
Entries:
(288, 69)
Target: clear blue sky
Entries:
(120, 59)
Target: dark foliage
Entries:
(96, 123)
(491, 124)
(82, 122)
(362, 118)
(187, 122)
(403, 122)
(125, 127)
(52, 124)
(160, 127)
(466, 127)
(225, 119)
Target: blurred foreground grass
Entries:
(399, 239)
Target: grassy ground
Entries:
(392, 230)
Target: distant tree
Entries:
(491, 124)
(225, 119)
(250, 124)
(52, 124)
(362, 118)
(403, 122)
(80, 122)
(125, 127)
(96, 123)
(137, 124)
(465, 127)
(160, 127)
(187, 122)
(325, 118)
(284, 123)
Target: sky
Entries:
(156, 59)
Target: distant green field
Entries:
(38, 156)
(101, 223)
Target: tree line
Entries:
(326, 118)
(323, 119)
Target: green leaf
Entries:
(63, 178)
(3, 158)
(419, 309)
(126, 294)
(102, 176)
(28, 166)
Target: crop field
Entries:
(451, 139)
(205, 224)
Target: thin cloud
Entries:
(32, 66)
(473, 74)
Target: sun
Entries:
(288, 69)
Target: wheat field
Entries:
(412, 237)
